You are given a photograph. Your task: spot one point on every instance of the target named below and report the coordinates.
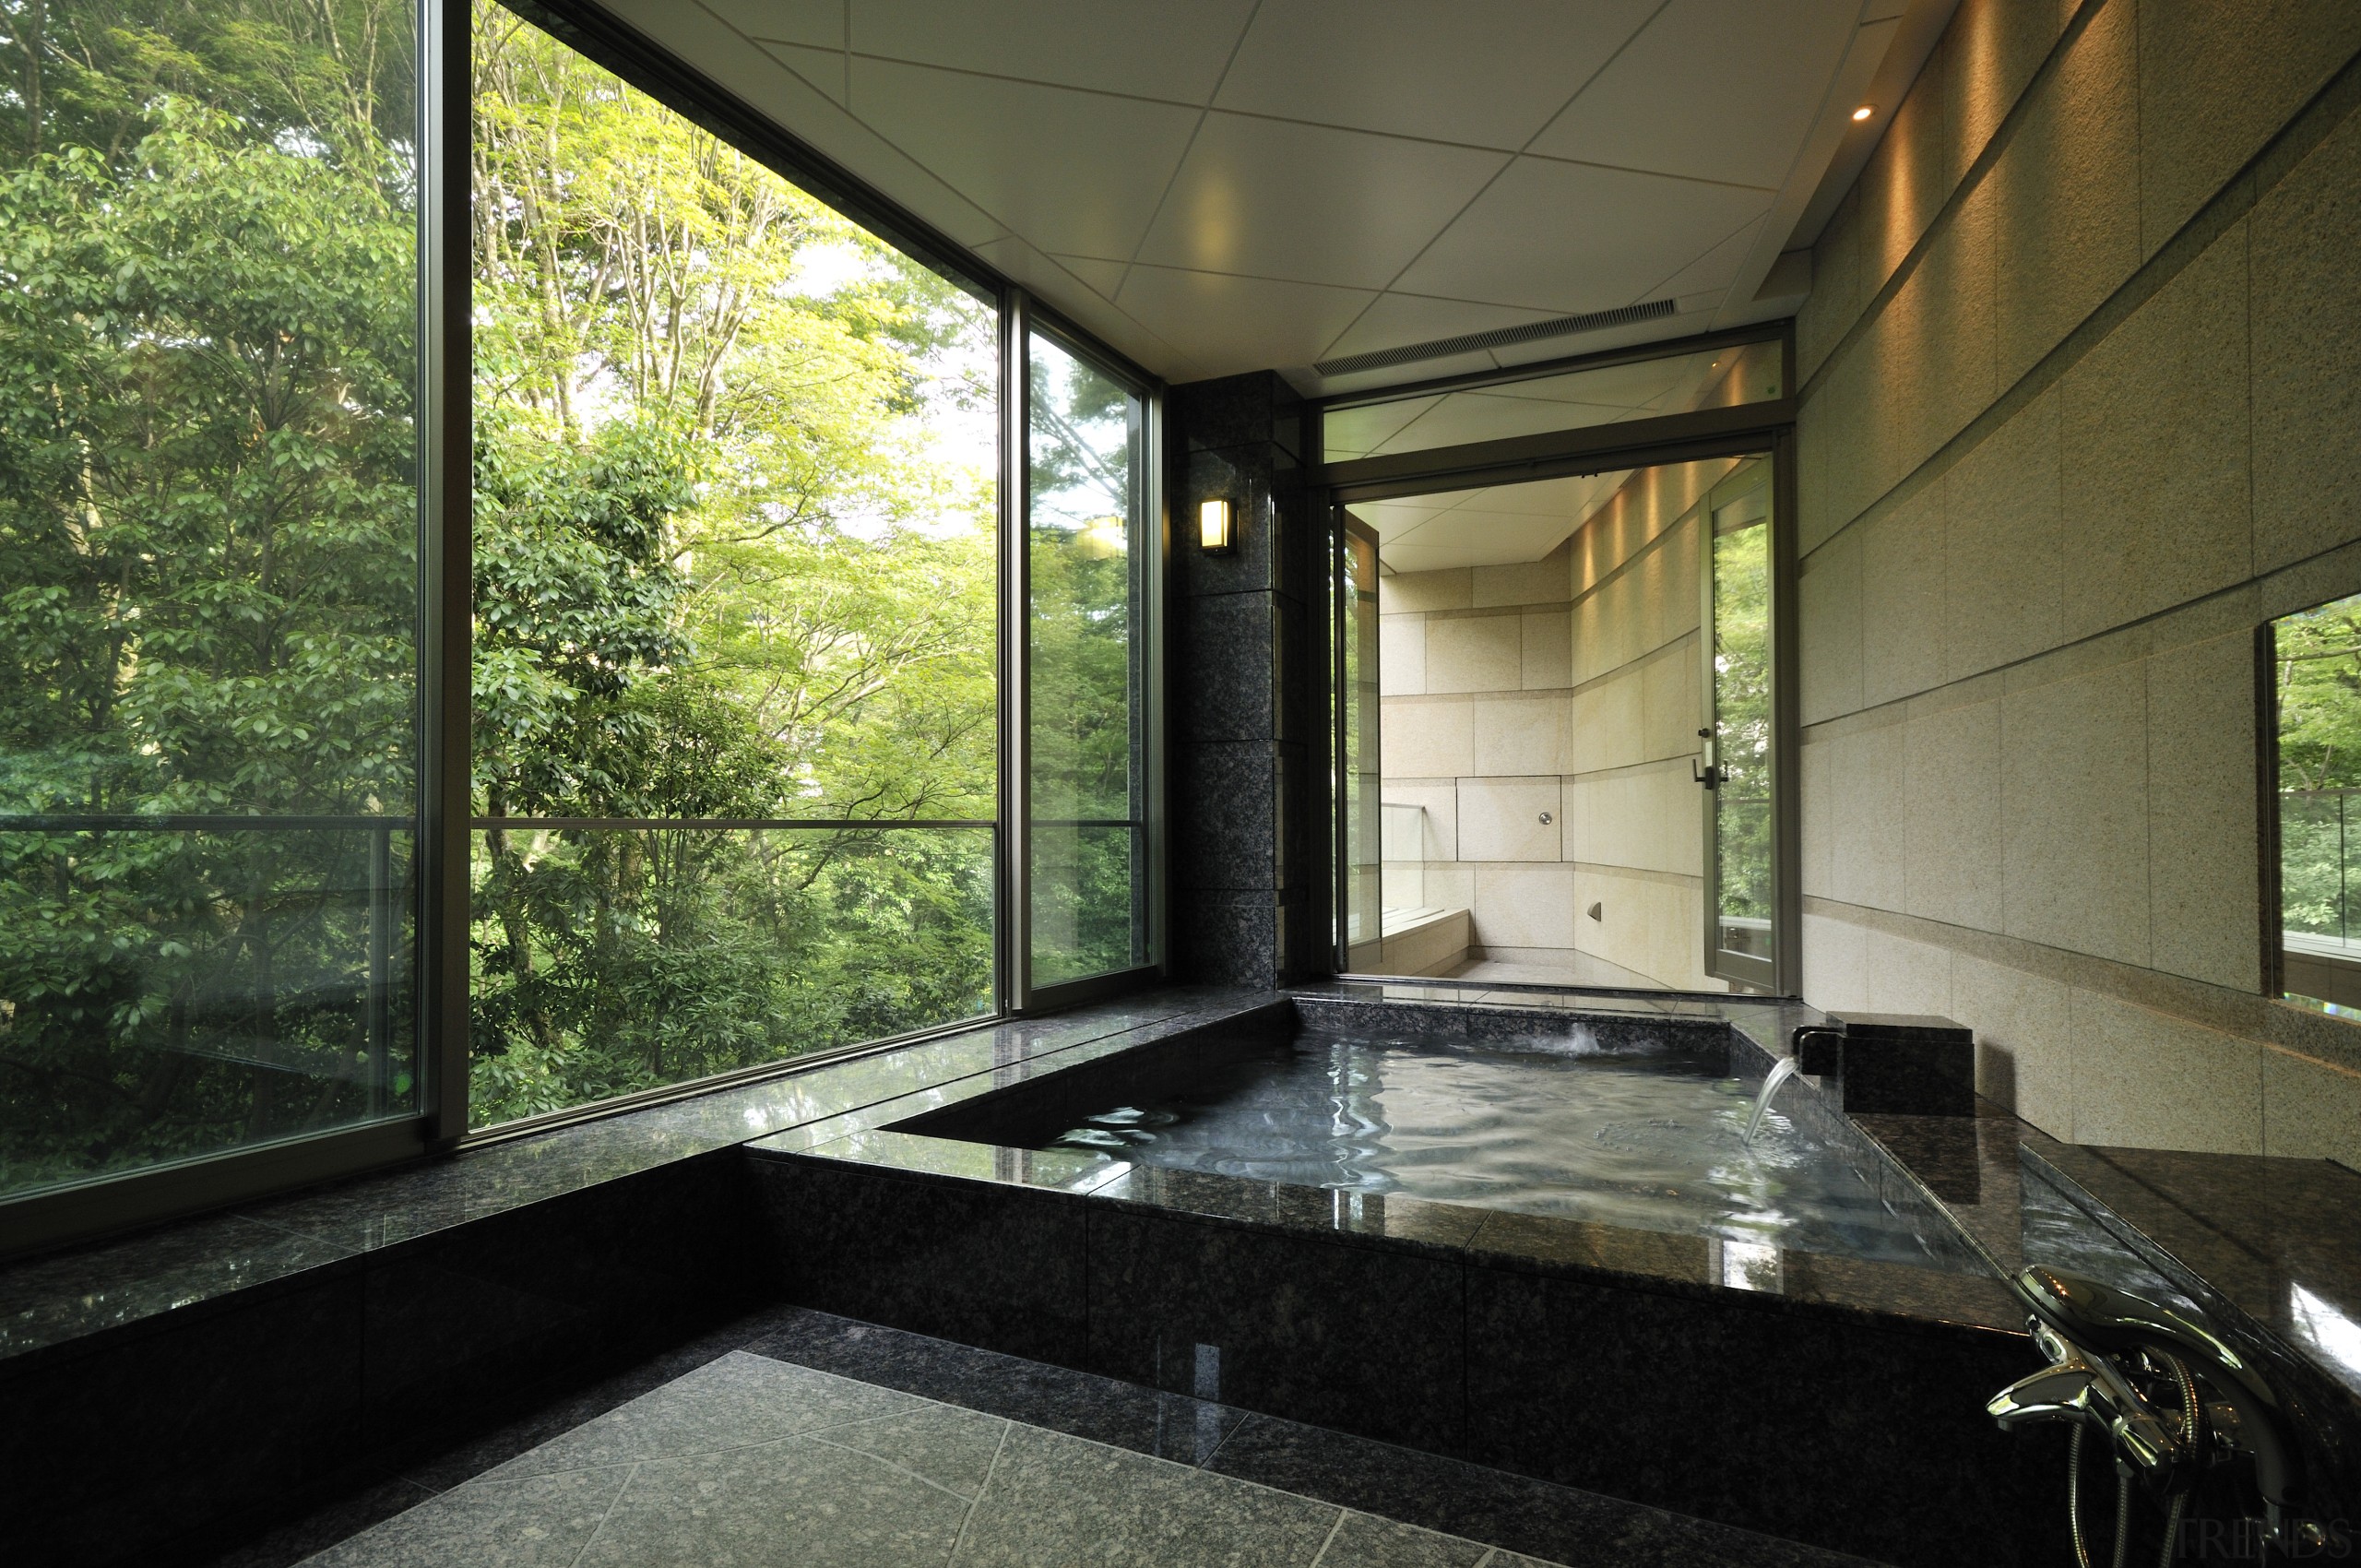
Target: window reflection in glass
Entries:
(1086, 548)
(209, 556)
(2316, 689)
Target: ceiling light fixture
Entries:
(1865, 110)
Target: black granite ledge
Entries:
(66, 1302)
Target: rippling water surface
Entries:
(1544, 1126)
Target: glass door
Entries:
(1737, 762)
(1359, 770)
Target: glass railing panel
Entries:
(612, 960)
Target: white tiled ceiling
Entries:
(1220, 186)
(1496, 525)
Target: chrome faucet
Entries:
(2168, 1396)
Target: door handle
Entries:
(1709, 778)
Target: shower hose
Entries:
(2192, 1413)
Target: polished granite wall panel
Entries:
(1732, 1414)
(1350, 1337)
(985, 1266)
(1244, 655)
(109, 1455)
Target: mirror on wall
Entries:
(2312, 735)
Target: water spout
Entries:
(1780, 1071)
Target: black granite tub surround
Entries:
(1459, 1332)
(385, 1313)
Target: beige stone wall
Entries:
(1569, 686)
(2078, 412)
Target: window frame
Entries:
(50, 1217)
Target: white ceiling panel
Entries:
(1489, 72)
(1103, 277)
(1713, 272)
(817, 23)
(1238, 323)
(1069, 172)
(1396, 320)
(1691, 96)
(1569, 238)
(1168, 48)
(1357, 433)
(824, 68)
(1052, 277)
(1271, 199)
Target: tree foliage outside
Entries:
(207, 569)
(1083, 459)
(2318, 676)
(734, 559)
(1742, 653)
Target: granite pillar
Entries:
(1244, 665)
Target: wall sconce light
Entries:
(1216, 527)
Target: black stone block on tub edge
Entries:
(1899, 1065)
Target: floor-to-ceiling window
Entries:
(208, 577)
(735, 713)
(505, 601)
(1086, 573)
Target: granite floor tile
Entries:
(536, 1522)
(939, 1445)
(1363, 1541)
(797, 1503)
(316, 1532)
(1054, 1499)
(731, 1403)
(1540, 1520)
(1122, 1415)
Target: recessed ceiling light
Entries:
(1865, 110)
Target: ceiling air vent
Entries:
(1499, 337)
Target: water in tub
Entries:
(1550, 1124)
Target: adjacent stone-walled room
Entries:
(1314, 783)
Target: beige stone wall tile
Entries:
(1501, 819)
(1828, 629)
(2216, 82)
(2003, 551)
(1938, 346)
(1439, 829)
(1680, 601)
(1833, 432)
(2067, 191)
(1908, 977)
(1990, 51)
(1416, 593)
(1475, 653)
(2023, 1040)
(1903, 185)
(2312, 1109)
(2144, 1080)
(1836, 965)
(2075, 814)
(1549, 658)
(1545, 581)
(1648, 818)
(1902, 598)
(2306, 294)
(1670, 695)
(1401, 655)
(1426, 739)
(1524, 905)
(1837, 291)
(1817, 788)
(1574, 833)
(1607, 724)
(1867, 864)
(1951, 847)
(1520, 736)
(1451, 887)
(2155, 499)
(2202, 830)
